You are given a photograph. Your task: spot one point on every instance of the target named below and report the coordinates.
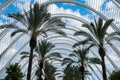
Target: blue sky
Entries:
(69, 6)
(14, 9)
(82, 11)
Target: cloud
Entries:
(68, 4)
(95, 4)
(22, 5)
(112, 12)
(5, 42)
(41, 1)
(5, 19)
(54, 9)
(1, 23)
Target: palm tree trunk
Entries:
(30, 65)
(41, 67)
(82, 71)
(32, 46)
(104, 69)
(45, 78)
(102, 55)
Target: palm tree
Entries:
(115, 75)
(96, 36)
(81, 55)
(33, 21)
(43, 54)
(49, 71)
(13, 72)
(71, 73)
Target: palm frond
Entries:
(90, 46)
(67, 61)
(106, 25)
(72, 55)
(56, 22)
(44, 47)
(95, 61)
(86, 34)
(99, 29)
(113, 34)
(19, 17)
(94, 28)
(89, 27)
(100, 23)
(54, 54)
(18, 31)
(86, 41)
(24, 53)
(11, 26)
(96, 24)
(91, 38)
(41, 16)
(49, 71)
(27, 18)
(112, 38)
(87, 72)
(58, 31)
(90, 67)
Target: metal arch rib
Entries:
(5, 3)
(115, 49)
(4, 32)
(4, 52)
(83, 5)
(94, 72)
(13, 58)
(116, 3)
(4, 6)
(70, 16)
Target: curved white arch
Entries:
(80, 4)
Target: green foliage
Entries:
(14, 72)
(115, 75)
(72, 73)
(49, 71)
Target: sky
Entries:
(106, 7)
